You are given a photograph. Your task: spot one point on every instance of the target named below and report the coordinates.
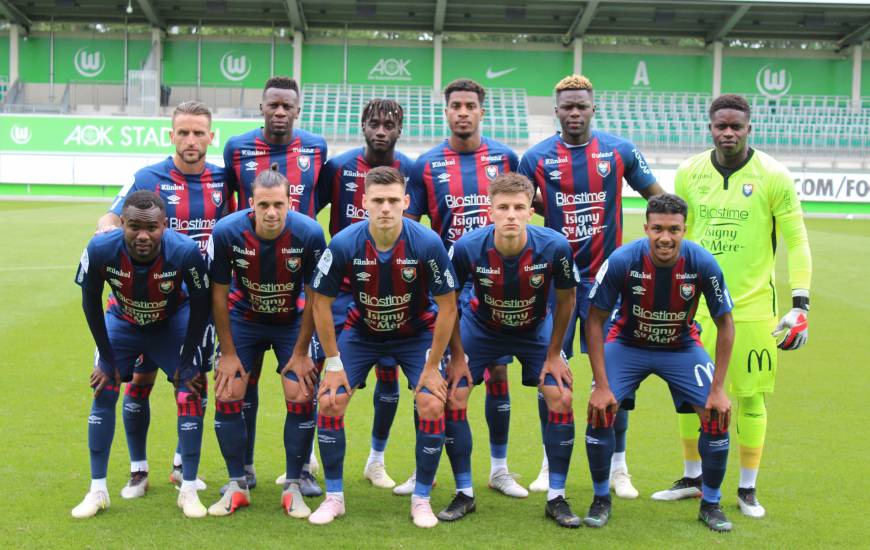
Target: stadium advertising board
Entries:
(404, 66)
(536, 71)
(777, 77)
(134, 136)
(322, 63)
(4, 57)
(237, 64)
(642, 72)
(79, 60)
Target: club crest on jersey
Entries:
(491, 171)
(294, 263)
(166, 286)
(217, 198)
(687, 291)
(409, 274)
(747, 189)
(603, 168)
(303, 162)
(536, 280)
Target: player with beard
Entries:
(579, 173)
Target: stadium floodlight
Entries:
(129, 6)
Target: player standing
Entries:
(738, 199)
(659, 281)
(579, 174)
(399, 271)
(341, 185)
(513, 266)
(195, 196)
(159, 281)
(262, 258)
(300, 156)
(449, 184)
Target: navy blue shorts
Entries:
(253, 339)
(206, 353)
(160, 346)
(339, 316)
(485, 346)
(359, 354)
(687, 371)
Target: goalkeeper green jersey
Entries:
(735, 214)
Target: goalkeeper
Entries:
(739, 199)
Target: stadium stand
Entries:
(333, 110)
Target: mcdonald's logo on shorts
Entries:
(759, 359)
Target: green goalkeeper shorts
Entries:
(752, 369)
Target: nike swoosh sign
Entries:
(495, 74)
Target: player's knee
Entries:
(327, 407)
(293, 390)
(752, 405)
(429, 407)
(459, 399)
(497, 373)
(188, 404)
(235, 390)
(144, 378)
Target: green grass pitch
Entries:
(814, 479)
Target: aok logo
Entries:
(20, 134)
(390, 69)
(89, 64)
(771, 82)
(235, 68)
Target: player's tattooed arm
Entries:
(602, 403)
(229, 365)
(300, 362)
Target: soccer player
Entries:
(262, 258)
(738, 199)
(659, 281)
(449, 184)
(512, 266)
(160, 286)
(196, 196)
(341, 186)
(579, 174)
(399, 272)
(300, 156)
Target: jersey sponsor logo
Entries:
(568, 199)
(353, 174)
(657, 315)
(193, 224)
(685, 276)
(436, 271)
(747, 189)
(409, 274)
(253, 153)
(509, 303)
(758, 360)
(244, 251)
(534, 267)
(84, 261)
(576, 271)
(251, 166)
(582, 224)
(603, 155)
(660, 333)
(603, 168)
(165, 275)
(407, 261)
(725, 213)
(385, 301)
(491, 158)
(557, 161)
(536, 280)
(640, 275)
(442, 163)
(641, 162)
(194, 278)
(354, 213)
(491, 171)
(114, 271)
(717, 289)
(304, 163)
(268, 288)
(292, 250)
(364, 261)
(687, 291)
(487, 270)
(453, 201)
(294, 263)
(449, 278)
(171, 187)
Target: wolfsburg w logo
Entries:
(89, 64)
(235, 68)
(771, 82)
(20, 134)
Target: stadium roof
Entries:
(843, 22)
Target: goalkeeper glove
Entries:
(794, 324)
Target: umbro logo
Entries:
(638, 290)
(251, 166)
(444, 178)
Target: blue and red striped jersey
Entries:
(342, 184)
(581, 191)
(301, 160)
(143, 294)
(512, 294)
(392, 291)
(266, 277)
(194, 202)
(452, 188)
(659, 303)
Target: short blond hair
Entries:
(574, 82)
